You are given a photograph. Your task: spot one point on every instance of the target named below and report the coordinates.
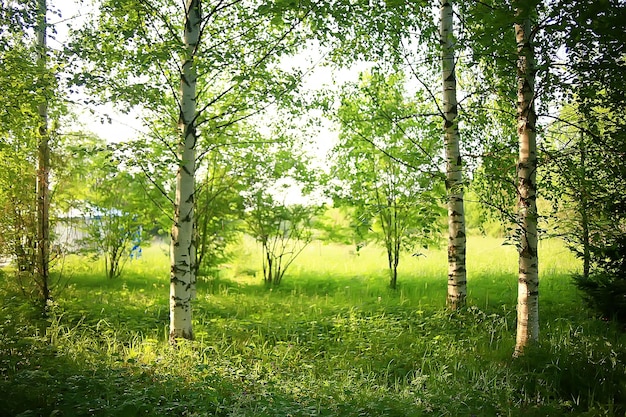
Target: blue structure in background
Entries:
(135, 251)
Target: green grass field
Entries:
(331, 340)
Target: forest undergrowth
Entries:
(331, 340)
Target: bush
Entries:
(604, 289)
(605, 293)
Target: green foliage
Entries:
(236, 60)
(283, 230)
(333, 225)
(275, 212)
(385, 166)
(219, 209)
(243, 177)
(592, 33)
(587, 147)
(114, 235)
(380, 33)
(571, 368)
(479, 219)
(493, 179)
(29, 82)
(605, 287)
(115, 213)
(17, 203)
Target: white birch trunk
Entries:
(457, 288)
(182, 247)
(43, 165)
(528, 280)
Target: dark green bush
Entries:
(604, 289)
(605, 293)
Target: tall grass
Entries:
(331, 340)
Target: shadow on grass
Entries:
(314, 346)
(42, 380)
(403, 363)
(87, 371)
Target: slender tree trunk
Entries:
(387, 226)
(397, 242)
(584, 216)
(396, 262)
(392, 275)
(43, 166)
(528, 281)
(203, 217)
(182, 247)
(457, 280)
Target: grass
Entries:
(332, 340)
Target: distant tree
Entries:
(333, 225)
(220, 205)
(280, 223)
(113, 234)
(384, 167)
(114, 221)
(283, 230)
(116, 211)
(219, 210)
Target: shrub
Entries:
(604, 289)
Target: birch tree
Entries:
(43, 163)
(528, 280)
(182, 244)
(457, 281)
(29, 91)
(223, 70)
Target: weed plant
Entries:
(331, 340)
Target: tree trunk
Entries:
(396, 262)
(528, 281)
(182, 247)
(43, 167)
(392, 275)
(457, 288)
(584, 206)
(203, 218)
(268, 266)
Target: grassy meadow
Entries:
(331, 340)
